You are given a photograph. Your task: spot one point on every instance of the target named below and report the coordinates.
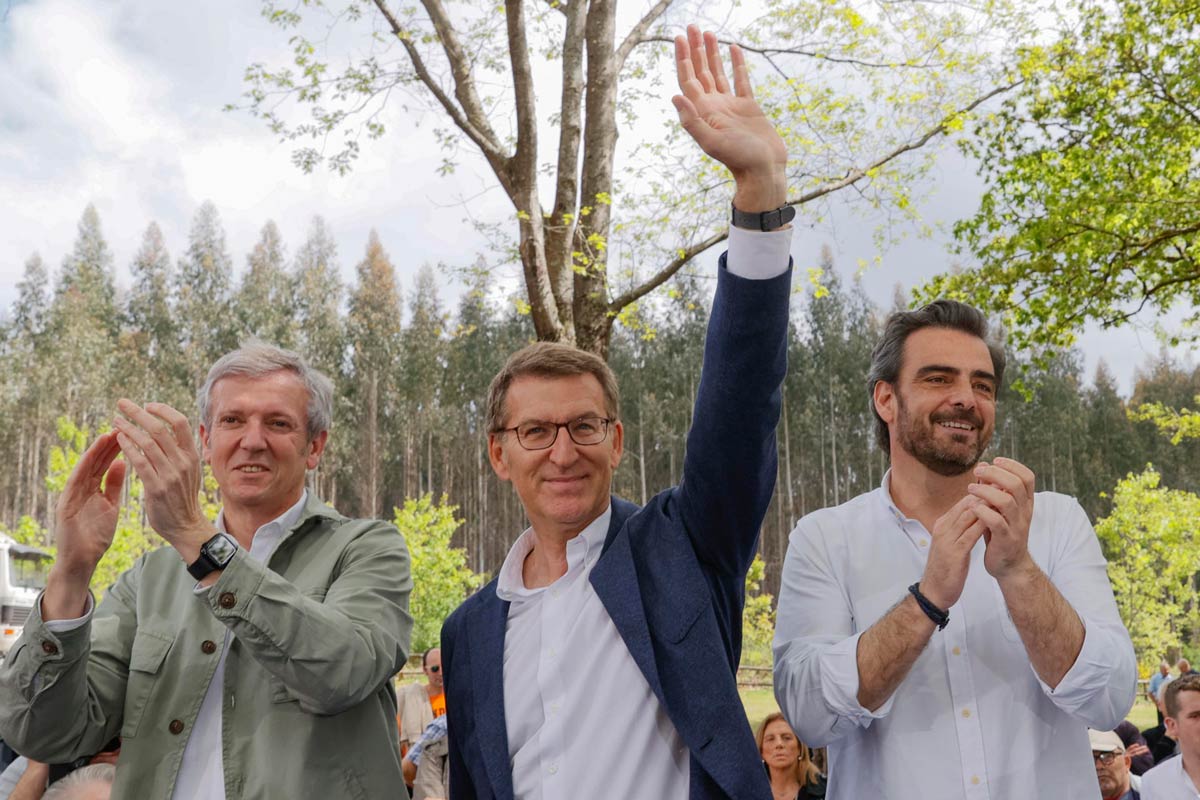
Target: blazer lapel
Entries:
(486, 629)
(614, 578)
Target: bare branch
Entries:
(470, 118)
(855, 175)
(794, 51)
(664, 274)
(636, 36)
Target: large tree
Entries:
(858, 87)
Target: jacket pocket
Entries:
(150, 649)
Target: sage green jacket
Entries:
(308, 708)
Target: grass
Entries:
(758, 703)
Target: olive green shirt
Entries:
(308, 707)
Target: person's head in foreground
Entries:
(1112, 764)
(86, 783)
(553, 431)
(933, 381)
(1181, 709)
(787, 758)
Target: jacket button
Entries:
(49, 648)
(176, 726)
(227, 600)
(208, 647)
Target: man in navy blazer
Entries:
(602, 660)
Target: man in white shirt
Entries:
(601, 662)
(947, 632)
(252, 658)
(1178, 777)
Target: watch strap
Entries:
(763, 220)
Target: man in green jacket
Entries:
(265, 672)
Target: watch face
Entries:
(220, 549)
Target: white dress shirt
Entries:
(581, 719)
(202, 772)
(1168, 781)
(971, 719)
(580, 715)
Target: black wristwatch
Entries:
(214, 555)
(765, 220)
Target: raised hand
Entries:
(728, 124)
(84, 526)
(157, 441)
(1006, 488)
(954, 535)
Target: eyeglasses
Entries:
(539, 435)
(1105, 758)
(434, 668)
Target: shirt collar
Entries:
(283, 522)
(582, 552)
(885, 498)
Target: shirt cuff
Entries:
(64, 625)
(839, 683)
(758, 255)
(1091, 672)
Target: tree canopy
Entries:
(1092, 212)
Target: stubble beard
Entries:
(917, 439)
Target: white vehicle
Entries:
(23, 571)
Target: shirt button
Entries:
(966, 712)
(176, 726)
(956, 651)
(975, 780)
(924, 542)
(227, 600)
(49, 648)
(208, 647)
(552, 769)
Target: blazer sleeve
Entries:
(730, 465)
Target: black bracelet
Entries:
(939, 617)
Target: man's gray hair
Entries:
(66, 788)
(256, 358)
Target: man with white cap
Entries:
(1112, 766)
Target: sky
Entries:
(119, 103)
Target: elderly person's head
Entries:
(1184, 666)
(1112, 764)
(87, 783)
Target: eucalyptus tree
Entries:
(265, 297)
(204, 294)
(373, 334)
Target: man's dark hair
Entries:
(1184, 683)
(888, 354)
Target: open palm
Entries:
(728, 124)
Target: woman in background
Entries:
(789, 765)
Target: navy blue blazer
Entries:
(671, 574)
